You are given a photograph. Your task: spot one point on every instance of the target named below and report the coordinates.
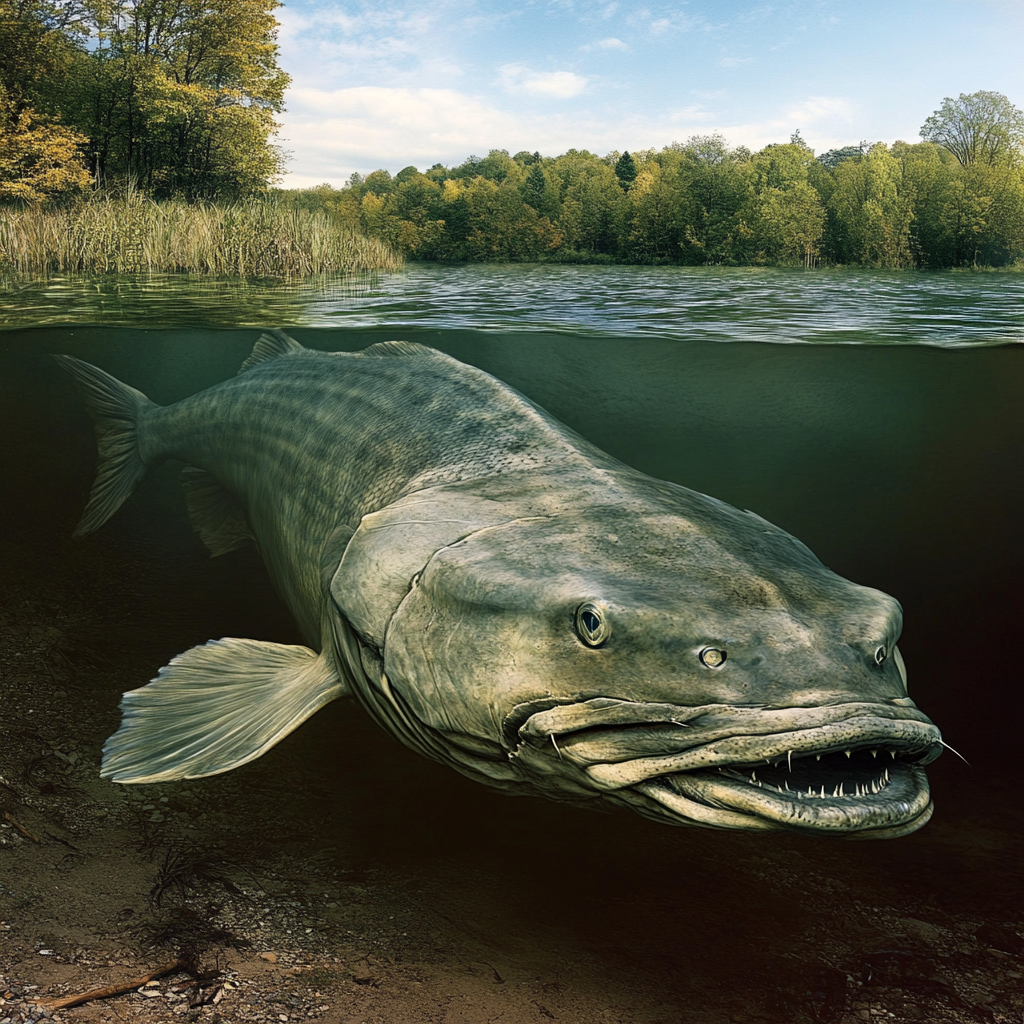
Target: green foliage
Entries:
(834, 157)
(176, 96)
(38, 160)
(625, 170)
(873, 201)
(983, 127)
(699, 203)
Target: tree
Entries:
(535, 190)
(713, 187)
(38, 161)
(179, 95)
(982, 127)
(625, 170)
(834, 157)
(874, 207)
(37, 48)
(791, 222)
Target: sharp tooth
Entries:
(822, 790)
(874, 753)
(886, 774)
(892, 754)
(786, 784)
(847, 752)
(817, 757)
(753, 775)
(789, 759)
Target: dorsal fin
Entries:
(270, 346)
(398, 348)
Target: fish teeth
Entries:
(847, 752)
(789, 759)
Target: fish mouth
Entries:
(852, 769)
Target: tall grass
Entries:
(133, 234)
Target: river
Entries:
(879, 417)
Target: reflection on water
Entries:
(949, 310)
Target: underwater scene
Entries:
(877, 417)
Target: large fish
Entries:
(511, 601)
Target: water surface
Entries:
(860, 307)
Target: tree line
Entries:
(176, 97)
(954, 199)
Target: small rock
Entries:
(362, 974)
(921, 930)
(271, 958)
(1001, 937)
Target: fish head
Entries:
(665, 651)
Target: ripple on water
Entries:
(853, 307)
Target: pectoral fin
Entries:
(215, 707)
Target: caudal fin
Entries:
(116, 410)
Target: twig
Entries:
(8, 817)
(110, 990)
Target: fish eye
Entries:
(591, 626)
(880, 655)
(713, 657)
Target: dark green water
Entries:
(889, 440)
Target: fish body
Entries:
(510, 600)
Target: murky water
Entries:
(897, 460)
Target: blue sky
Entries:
(386, 84)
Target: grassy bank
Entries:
(137, 235)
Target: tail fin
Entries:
(115, 409)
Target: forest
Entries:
(174, 102)
(702, 203)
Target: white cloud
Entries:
(822, 108)
(517, 78)
(332, 134)
(611, 43)
(825, 122)
(733, 62)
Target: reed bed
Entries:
(133, 235)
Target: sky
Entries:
(384, 84)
